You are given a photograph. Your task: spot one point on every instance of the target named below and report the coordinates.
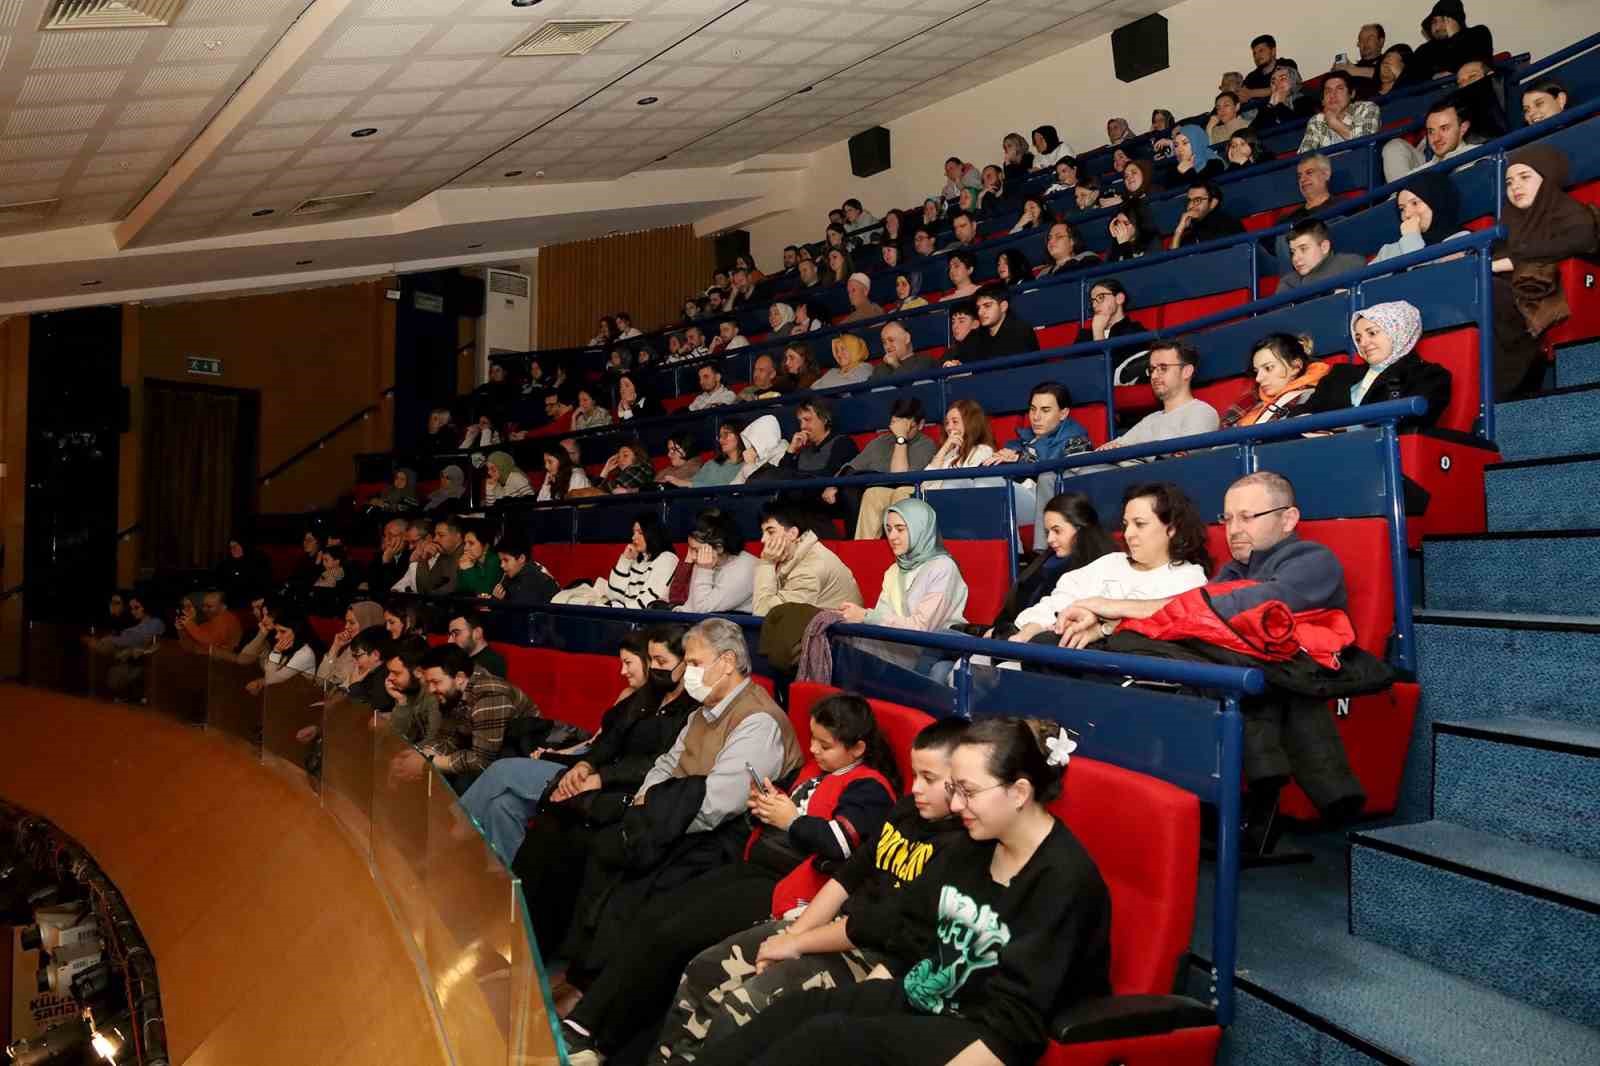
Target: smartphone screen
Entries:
(755, 778)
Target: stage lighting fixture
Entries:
(62, 1044)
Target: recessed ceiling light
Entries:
(212, 46)
(513, 173)
(661, 159)
(262, 212)
(304, 262)
(538, 173)
(364, 131)
(807, 89)
(470, 247)
(524, 3)
(89, 284)
(646, 101)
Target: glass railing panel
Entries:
(400, 830)
(348, 736)
(175, 682)
(291, 729)
(533, 1040)
(472, 925)
(55, 656)
(234, 700)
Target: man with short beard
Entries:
(414, 714)
(475, 707)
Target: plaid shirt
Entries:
(473, 728)
(1362, 118)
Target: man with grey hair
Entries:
(737, 729)
(898, 356)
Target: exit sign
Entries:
(208, 367)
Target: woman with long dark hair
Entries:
(560, 475)
(1073, 540)
(1166, 555)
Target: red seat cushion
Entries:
(283, 558)
(1180, 311)
(899, 724)
(1377, 736)
(577, 562)
(1059, 335)
(1451, 473)
(986, 565)
(326, 628)
(1457, 351)
(363, 491)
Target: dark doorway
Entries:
(199, 471)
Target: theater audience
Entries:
(764, 380)
(1544, 99)
(401, 495)
(451, 493)
(475, 709)
(721, 469)
(1363, 71)
(128, 646)
(1066, 174)
(1012, 268)
(1447, 131)
(523, 582)
(503, 480)
(441, 435)
(339, 661)
(1048, 147)
(961, 266)
(561, 476)
(1050, 434)
(294, 653)
(1287, 102)
(1342, 118)
(1117, 131)
(816, 450)
(1203, 219)
(999, 332)
(858, 290)
(809, 316)
(209, 625)
(964, 227)
(907, 289)
(478, 569)
(589, 414)
(838, 266)
(1482, 103)
(1264, 54)
(1064, 251)
(1166, 555)
(1312, 259)
(1391, 71)
(1544, 225)
(796, 567)
(1138, 185)
(958, 176)
(1450, 43)
(1108, 306)
(902, 448)
(763, 450)
(1034, 214)
(850, 364)
(418, 535)
(366, 684)
(681, 465)
(245, 572)
(481, 434)
(841, 797)
(1385, 339)
(722, 574)
(896, 232)
(898, 357)
(728, 983)
(1173, 365)
(1192, 149)
(332, 562)
(1086, 195)
(1019, 869)
(996, 197)
(713, 393)
(438, 558)
(1285, 375)
(728, 337)
(1073, 540)
(1225, 119)
(1429, 210)
(1312, 176)
(922, 589)
(414, 715)
(968, 442)
(642, 575)
(1132, 235)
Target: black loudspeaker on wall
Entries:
(869, 152)
(730, 246)
(1139, 48)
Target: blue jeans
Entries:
(505, 796)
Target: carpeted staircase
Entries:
(1469, 930)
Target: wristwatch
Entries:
(1106, 628)
(899, 440)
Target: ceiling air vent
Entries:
(508, 284)
(325, 205)
(110, 14)
(567, 37)
(26, 211)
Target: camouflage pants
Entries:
(720, 989)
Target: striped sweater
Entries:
(640, 582)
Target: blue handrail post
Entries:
(1394, 487)
(1225, 907)
(963, 681)
(1485, 301)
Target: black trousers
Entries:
(1295, 737)
(634, 990)
(551, 865)
(869, 1024)
(1518, 368)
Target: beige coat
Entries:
(813, 575)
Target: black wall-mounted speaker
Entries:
(1139, 48)
(869, 152)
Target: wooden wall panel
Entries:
(13, 483)
(648, 274)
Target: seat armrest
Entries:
(1121, 1017)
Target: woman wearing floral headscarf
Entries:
(1543, 226)
(1385, 338)
(922, 589)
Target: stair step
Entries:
(1512, 571)
(1473, 666)
(1542, 494)
(1520, 919)
(1525, 779)
(1562, 422)
(1578, 364)
(1310, 993)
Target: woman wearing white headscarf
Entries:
(780, 317)
(764, 447)
(1385, 338)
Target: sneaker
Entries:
(580, 1047)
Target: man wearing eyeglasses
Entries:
(1203, 219)
(1285, 736)
(1182, 414)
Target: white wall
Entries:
(1076, 91)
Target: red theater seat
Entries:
(1451, 473)
(900, 724)
(1457, 351)
(1180, 311)
(363, 491)
(577, 562)
(1377, 734)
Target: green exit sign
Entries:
(209, 367)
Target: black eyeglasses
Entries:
(1246, 517)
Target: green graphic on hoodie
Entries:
(970, 939)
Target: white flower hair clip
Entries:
(1060, 748)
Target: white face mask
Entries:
(694, 683)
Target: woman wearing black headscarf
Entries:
(244, 572)
(1543, 226)
(1429, 210)
(1048, 147)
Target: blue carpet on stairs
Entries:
(1295, 943)
(1477, 672)
(1549, 496)
(1529, 574)
(1532, 949)
(1563, 424)
(1523, 793)
(1578, 364)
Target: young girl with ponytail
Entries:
(837, 804)
(1008, 927)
